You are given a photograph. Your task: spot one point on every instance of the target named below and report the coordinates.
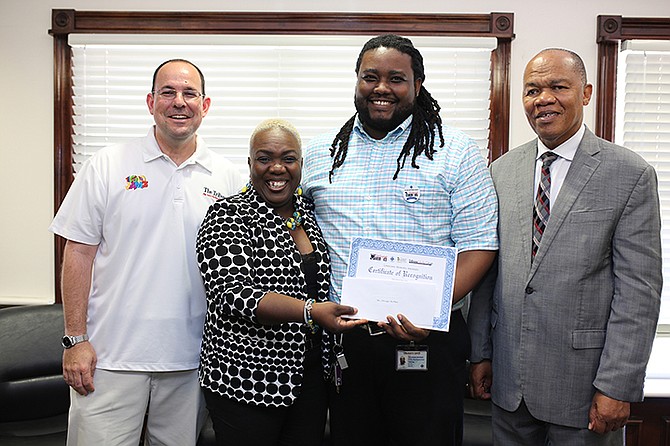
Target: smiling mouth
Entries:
(381, 102)
(276, 185)
(545, 116)
(179, 117)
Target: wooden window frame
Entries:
(612, 29)
(648, 423)
(69, 21)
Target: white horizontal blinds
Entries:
(643, 125)
(460, 80)
(306, 79)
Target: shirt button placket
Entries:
(178, 179)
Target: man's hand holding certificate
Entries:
(389, 278)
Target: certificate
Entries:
(386, 278)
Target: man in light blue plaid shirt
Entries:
(395, 172)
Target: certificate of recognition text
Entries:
(387, 278)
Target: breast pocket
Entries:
(422, 209)
(591, 216)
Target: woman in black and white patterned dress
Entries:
(266, 272)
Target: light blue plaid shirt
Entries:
(456, 204)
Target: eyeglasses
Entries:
(169, 94)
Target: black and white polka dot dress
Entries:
(244, 251)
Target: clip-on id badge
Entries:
(411, 357)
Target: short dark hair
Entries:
(576, 59)
(202, 76)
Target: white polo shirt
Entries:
(147, 302)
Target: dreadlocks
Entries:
(425, 113)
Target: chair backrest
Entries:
(31, 377)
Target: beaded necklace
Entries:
(294, 222)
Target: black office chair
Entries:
(34, 399)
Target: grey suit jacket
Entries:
(583, 316)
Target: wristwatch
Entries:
(71, 341)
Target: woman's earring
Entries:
(246, 187)
(299, 190)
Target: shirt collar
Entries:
(202, 156)
(392, 135)
(566, 150)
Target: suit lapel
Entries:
(524, 181)
(581, 169)
(514, 180)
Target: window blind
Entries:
(308, 80)
(643, 125)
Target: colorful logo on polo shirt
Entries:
(136, 182)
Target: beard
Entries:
(381, 124)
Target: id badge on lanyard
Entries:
(411, 358)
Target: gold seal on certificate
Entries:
(387, 278)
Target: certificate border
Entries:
(449, 253)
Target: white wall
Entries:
(26, 141)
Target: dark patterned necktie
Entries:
(541, 208)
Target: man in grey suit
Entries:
(562, 331)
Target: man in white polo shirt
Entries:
(133, 297)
